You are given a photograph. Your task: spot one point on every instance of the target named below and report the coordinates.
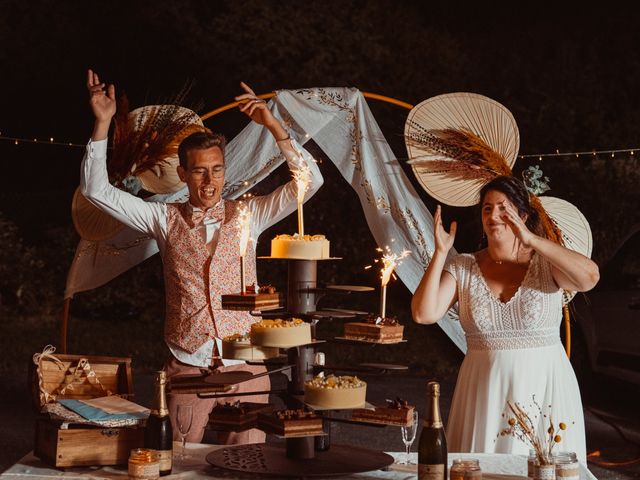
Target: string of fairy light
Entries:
(620, 152)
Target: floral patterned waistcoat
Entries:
(195, 279)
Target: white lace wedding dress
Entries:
(514, 353)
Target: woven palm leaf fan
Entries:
(159, 175)
(146, 144)
(576, 232)
(457, 142)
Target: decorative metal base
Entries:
(269, 459)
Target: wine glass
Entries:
(408, 436)
(184, 420)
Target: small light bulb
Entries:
(51, 139)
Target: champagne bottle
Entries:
(158, 434)
(432, 448)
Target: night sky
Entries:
(569, 74)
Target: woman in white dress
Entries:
(510, 307)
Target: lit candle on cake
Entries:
(390, 261)
(302, 177)
(244, 219)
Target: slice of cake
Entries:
(309, 247)
(239, 347)
(396, 412)
(291, 423)
(375, 329)
(237, 415)
(280, 333)
(335, 392)
(265, 299)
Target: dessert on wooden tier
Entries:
(238, 347)
(396, 412)
(335, 392)
(375, 329)
(265, 298)
(280, 333)
(309, 247)
(291, 423)
(237, 415)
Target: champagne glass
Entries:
(184, 420)
(408, 436)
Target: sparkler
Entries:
(389, 261)
(302, 177)
(244, 220)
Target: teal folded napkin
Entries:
(106, 408)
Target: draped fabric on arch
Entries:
(341, 124)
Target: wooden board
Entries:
(270, 459)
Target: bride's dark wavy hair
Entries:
(517, 194)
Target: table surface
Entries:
(495, 466)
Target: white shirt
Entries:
(151, 217)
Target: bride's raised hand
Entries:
(443, 239)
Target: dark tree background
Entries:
(566, 71)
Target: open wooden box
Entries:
(81, 445)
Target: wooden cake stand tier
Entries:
(270, 459)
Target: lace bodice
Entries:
(530, 319)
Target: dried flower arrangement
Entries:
(523, 427)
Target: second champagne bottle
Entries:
(432, 447)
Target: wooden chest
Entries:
(82, 445)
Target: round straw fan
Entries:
(486, 118)
(91, 223)
(576, 232)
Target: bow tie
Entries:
(215, 213)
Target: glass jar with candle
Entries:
(567, 466)
(462, 469)
(144, 464)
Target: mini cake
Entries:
(309, 247)
(238, 347)
(280, 333)
(396, 412)
(335, 392)
(265, 298)
(237, 415)
(375, 329)
(291, 423)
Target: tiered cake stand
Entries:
(311, 455)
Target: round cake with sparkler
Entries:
(280, 333)
(305, 247)
(335, 392)
(300, 246)
(239, 347)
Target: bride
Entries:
(510, 303)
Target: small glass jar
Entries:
(544, 471)
(531, 460)
(465, 469)
(567, 466)
(144, 464)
